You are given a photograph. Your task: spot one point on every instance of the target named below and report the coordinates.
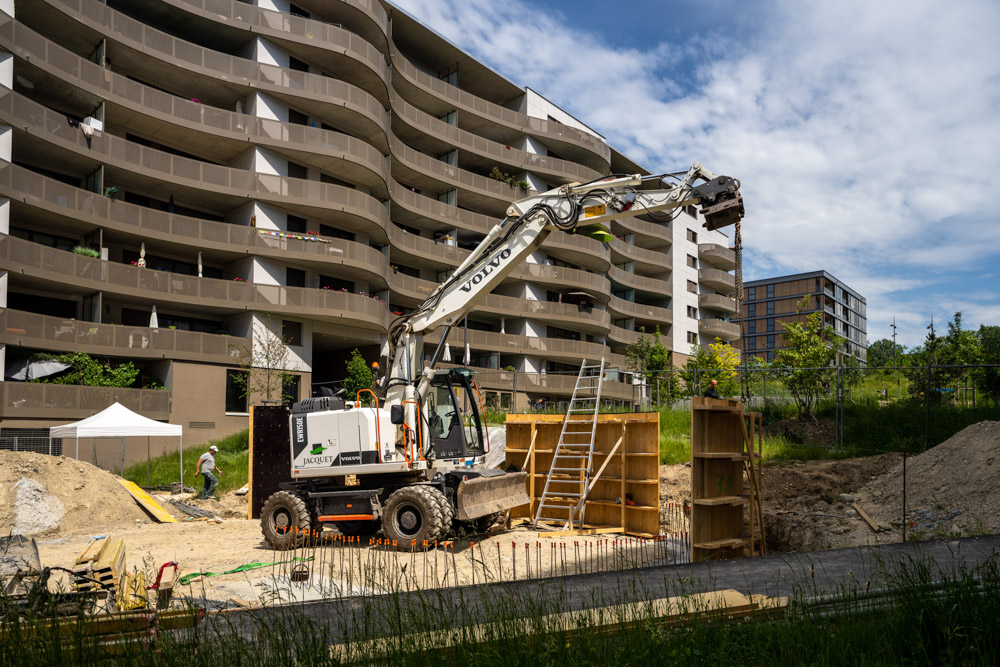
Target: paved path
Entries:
(806, 574)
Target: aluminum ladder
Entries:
(565, 490)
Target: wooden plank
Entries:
(154, 508)
(721, 543)
(720, 500)
(864, 515)
(111, 555)
(601, 530)
(93, 551)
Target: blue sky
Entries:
(866, 135)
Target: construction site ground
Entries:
(951, 492)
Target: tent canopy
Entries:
(116, 421)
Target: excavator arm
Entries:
(577, 208)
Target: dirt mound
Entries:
(951, 489)
(51, 495)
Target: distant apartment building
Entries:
(771, 301)
(309, 170)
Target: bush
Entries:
(89, 252)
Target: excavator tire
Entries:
(285, 520)
(416, 516)
(358, 528)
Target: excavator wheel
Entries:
(415, 516)
(285, 520)
(358, 528)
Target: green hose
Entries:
(186, 579)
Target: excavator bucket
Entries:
(487, 494)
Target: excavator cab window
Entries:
(453, 418)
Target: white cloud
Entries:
(865, 135)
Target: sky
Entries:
(866, 135)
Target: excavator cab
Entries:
(454, 421)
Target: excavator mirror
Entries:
(396, 414)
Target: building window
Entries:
(770, 324)
(290, 390)
(692, 287)
(752, 343)
(295, 277)
(291, 332)
(297, 170)
(296, 225)
(752, 309)
(750, 294)
(770, 356)
(752, 326)
(335, 284)
(770, 308)
(297, 65)
(692, 312)
(236, 400)
(692, 236)
(692, 338)
(692, 261)
(297, 117)
(770, 341)
(770, 291)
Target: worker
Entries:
(206, 466)
(713, 389)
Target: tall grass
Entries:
(232, 459)
(912, 615)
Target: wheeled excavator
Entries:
(409, 460)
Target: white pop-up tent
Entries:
(118, 421)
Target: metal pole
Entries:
(15, 443)
(147, 461)
(123, 457)
(927, 407)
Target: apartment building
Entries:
(307, 171)
(770, 302)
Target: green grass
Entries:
(916, 616)
(232, 459)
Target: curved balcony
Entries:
(410, 288)
(640, 311)
(366, 17)
(23, 329)
(555, 169)
(624, 336)
(716, 328)
(563, 385)
(717, 280)
(717, 255)
(642, 283)
(225, 131)
(424, 250)
(578, 145)
(651, 261)
(717, 302)
(30, 400)
(532, 346)
(329, 46)
(62, 268)
(652, 233)
(343, 103)
(594, 284)
(28, 188)
(577, 249)
(564, 314)
(49, 127)
(476, 191)
(410, 206)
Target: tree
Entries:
(265, 364)
(719, 362)
(85, 370)
(988, 379)
(811, 348)
(880, 353)
(359, 376)
(649, 358)
(958, 347)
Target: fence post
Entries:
(15, 443)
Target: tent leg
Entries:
(181, 440)
(77, 447)
(123, 457)
(147, 461)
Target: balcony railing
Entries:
(53, 333)
(712, 326)
(644, 283)
(717, 302)
(717, 279)
(640, 310)
(717, 255)
(62, 267)
(36, 400)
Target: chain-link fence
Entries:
(30, 440)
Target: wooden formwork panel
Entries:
(721, 524)
(630, 471)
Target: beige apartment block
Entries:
(309, 171)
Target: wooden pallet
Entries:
(101, 565)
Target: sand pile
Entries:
(951, 489)
(51, 495)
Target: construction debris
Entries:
(154, 508)
(100, 565)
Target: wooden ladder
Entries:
(753, 529)
(562, 500)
